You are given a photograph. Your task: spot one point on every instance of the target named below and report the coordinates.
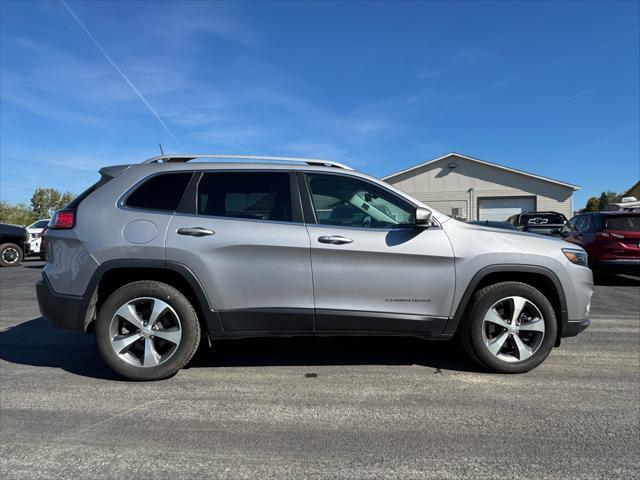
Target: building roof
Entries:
(632, 190)
(484, 162)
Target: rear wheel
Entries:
(147, 330)
(11, 255)
(511, 328)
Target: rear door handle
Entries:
(334, 239)
(195, 231)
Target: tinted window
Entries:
(73, 204)
(599, 221)
(253, 195)
(570, 226)
(582, 223)
(161, 192)
(350, 202)
(625, 223)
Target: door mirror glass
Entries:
(423, 217)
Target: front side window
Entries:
(570, 226)
(582, 224)
(250, 195)
(350, 202)
(160, 192)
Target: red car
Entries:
(612, 240)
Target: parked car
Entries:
(12, 244)
(544, 223)
(493, 224)
(34, 232)
(612, 240)
(157, 254)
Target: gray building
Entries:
(468, 188)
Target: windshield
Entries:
(39, 224)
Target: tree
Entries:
(606, 198)
(17, 214)
(592, 205)
(45, 200)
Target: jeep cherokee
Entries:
(157, 254)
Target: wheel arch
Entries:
(538, 277)
(113, 274)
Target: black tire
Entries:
(188, 318)
(9, 250)
(471, 327)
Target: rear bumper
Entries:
(629, 266)
(573, 327)
(64, 311)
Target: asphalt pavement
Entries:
(354, 408)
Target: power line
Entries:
(126, 79)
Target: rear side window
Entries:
(624, 223)
(252, 195)
(160, 192)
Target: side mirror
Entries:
(423, 217)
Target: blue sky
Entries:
(547, 87)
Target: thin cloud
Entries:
(580, 94)
(126, 79)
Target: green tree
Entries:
(17, 214)
(45, 200)
(593, 205)
(606, 198)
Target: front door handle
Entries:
(195, 231)
(334, 239)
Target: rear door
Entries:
(244, 239)
(373, 270)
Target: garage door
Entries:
(502, 208)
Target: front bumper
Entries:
(574, 327)
(626, 266)
(64, 311)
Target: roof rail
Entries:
(187, 157)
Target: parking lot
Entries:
(320, 408)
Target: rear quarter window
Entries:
(624, 223)
(160, 192)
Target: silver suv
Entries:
(156, 255)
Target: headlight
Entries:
(579, 257)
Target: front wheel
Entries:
(511, 328)
(147, 330)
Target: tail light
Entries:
(607, 235)
(62, 219)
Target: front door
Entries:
(247, 245)
(373, 270)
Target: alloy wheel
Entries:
(513, 329)
(145, 332)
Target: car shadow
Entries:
(37, 343)
(616, 280)
(327, 351)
